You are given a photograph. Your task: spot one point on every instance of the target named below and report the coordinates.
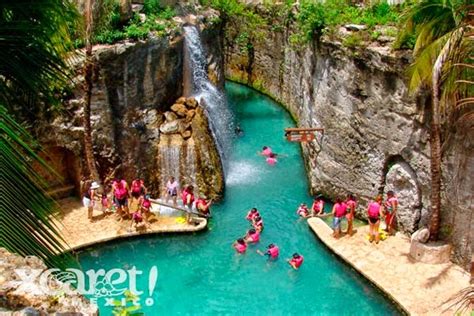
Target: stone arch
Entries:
(400, 177)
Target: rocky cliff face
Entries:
(135, 83)
(375, 135)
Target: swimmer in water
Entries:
(296, 261)
(252, 214)
(253, 236)
(272, 252)
(303, 211)
(240, 245)
(258, 224)
(266, 151)
(239, 131)
(271, 159)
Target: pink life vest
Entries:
(255, 237)
(389, 204)
(267, 152)
(318, 206)
(184, 197)
(251, 216)
(273, 252)
(341, 209)
(121, 190)
(146, 204)
(374, 210)
(297, 261)
(271, 161)
(240, 247)
(302, 211)
(136, 186)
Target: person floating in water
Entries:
(271, 159)
(253, 236)
(239, 131)
(257, 223)
(303, 211)
(266, 151)
(240, 245)
(272, 252)
(252, 214)
(296, 261)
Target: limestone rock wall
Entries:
(376, 136)
(22, 296)
(134, 84)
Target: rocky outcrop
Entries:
(21, 297)
(135, 83)
(402, 179)
(187, 150)
(360, 97)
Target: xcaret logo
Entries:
(95, 284)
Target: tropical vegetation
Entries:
(34, 41)
(443, 63)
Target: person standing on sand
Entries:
(188, 198)
(88, 198)
(338, 211)
(171, 190)
(121, 195)
(138, 189)
(390, 211)
(351, 206)
(374, 210)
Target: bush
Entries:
(311, 18)
(137, 32)
(110, 37)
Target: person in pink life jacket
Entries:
(272, 252)
(121, 195)
(188, 198)
(252, 236)
(338, 211)
(318, 206)
(373, 211)
(303, 211)
(271, 159)
(296, 261)
(390, 211)
(252, 214)
(257, 223)
(240, 245)
(137, 190)
(203, 206)
(351, 206)
(266, 151)
(145, 208)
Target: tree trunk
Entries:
(435, 144)
(88, 68)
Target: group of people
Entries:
(344, 209)
(123, 198)
(133, 202)
(253, 236)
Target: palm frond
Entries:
(26, 210)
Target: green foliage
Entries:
(109, 37)
(137, 32)
(354, 40)
(311, 19)
(25, 215)
(34, 38)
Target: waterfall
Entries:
(209, 97)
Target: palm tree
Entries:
(440, 27)
(34, 38)
(88, 69)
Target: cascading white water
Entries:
(211, 99)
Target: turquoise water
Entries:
(202, 274)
